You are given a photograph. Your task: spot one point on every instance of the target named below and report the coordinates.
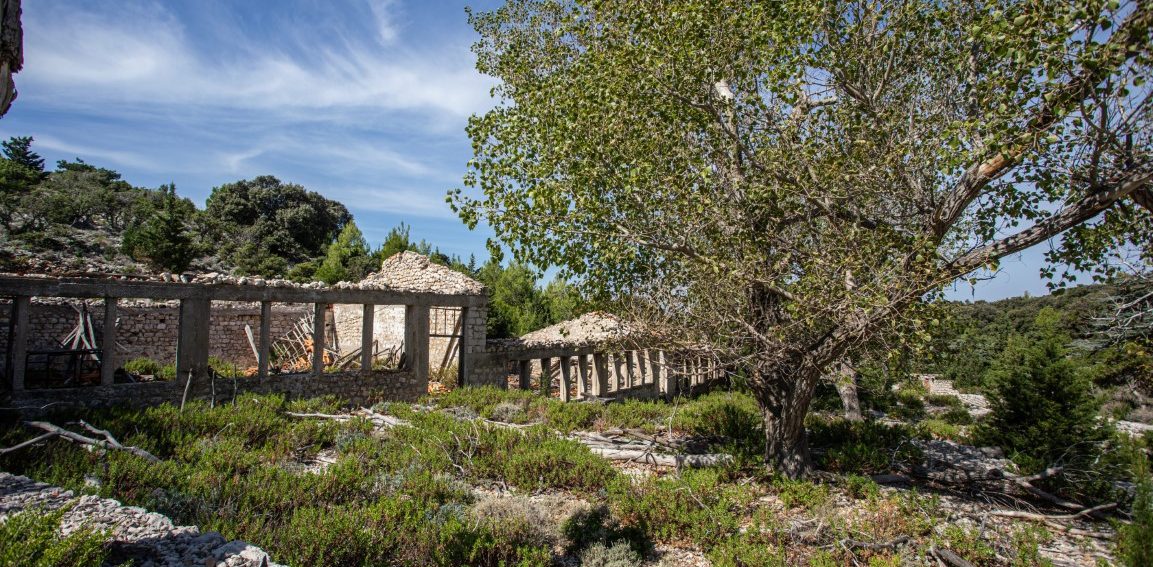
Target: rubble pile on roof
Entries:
(410, 271)
(589, 329)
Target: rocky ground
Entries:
(135, 535)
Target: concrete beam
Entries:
(601, 370)
(100, 288)
(582, 374)
(265, 339)
(108, 343)
(18, 341)
(192, 342)
(367, 341)
(565, 377)
(318, 311)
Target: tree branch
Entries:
(1133, 33)
(1067, 218)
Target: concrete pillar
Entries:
(367, 319)
(600, 384)
(582, 375)
(525, 369)
(18, 341)
(464, 358)
(619, 371)
(546, 377)
(265, 346)
(631, 371)
(666, 383)
(108, 343)
(318, 311)
(192, 344)
(416, 329)
(565, 377)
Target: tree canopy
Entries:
(788, 180)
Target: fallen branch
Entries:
(1046, 517)
(377, 419)
(852, 543)
(948, 557)
(648, 457)
(109, 441)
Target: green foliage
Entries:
(862, 487)
(263, 225)
(32, 539)
(347, 258)
(801, 493)
(1043, 408)
(697, 506)
(862, 447)
(967, 543)
(164, 239)
(1135, 540)
(618, 555)
(143, 366)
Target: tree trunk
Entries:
(845, 380)
(784, 394)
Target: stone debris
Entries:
(409, 271)
(977, 404)
(589, 329)
(406, 272)
(145, 539)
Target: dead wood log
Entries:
(651, 458)
(109, 442)
(378, 419)
(948, 557)
(854, 544)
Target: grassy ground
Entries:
(449, 490)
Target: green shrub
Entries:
(801, 493)
(697, 506)
(945, 400)
(1027, 542)
(618, 555)
(957, 416)
(1135, 540)
(143, 366)
(941, 429)
(1043, 408)
(968, 544)
(862, 447)
(225, 369)
(862, 487)
(31, 538)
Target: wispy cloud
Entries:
(145, 56)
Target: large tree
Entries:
(789, 180)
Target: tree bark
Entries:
(845, 380)
(784, 399)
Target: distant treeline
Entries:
(261, 226)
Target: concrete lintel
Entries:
(99, 288)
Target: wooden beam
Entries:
(262, 358)
(525, 369)
(565, 377)
(367, 320)
(318, 310)
(108, 343)
(18, 341)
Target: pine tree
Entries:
(19, 150)
(347, 258)
(1043, 408)
(163, 241)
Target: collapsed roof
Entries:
(413, 272)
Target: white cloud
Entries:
(143, 55)
(116, 157)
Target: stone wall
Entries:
(151, 330)
(388, 332)
(354, 388)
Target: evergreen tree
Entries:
(19, 150)
(1043, 408)
(347, 258)
(164, 241)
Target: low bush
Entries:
(143, 366)
(697, 506)
(617, 555)
(801, 493)
(862, 487)
(32, 539)
(862, 447)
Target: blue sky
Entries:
(363, 101)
